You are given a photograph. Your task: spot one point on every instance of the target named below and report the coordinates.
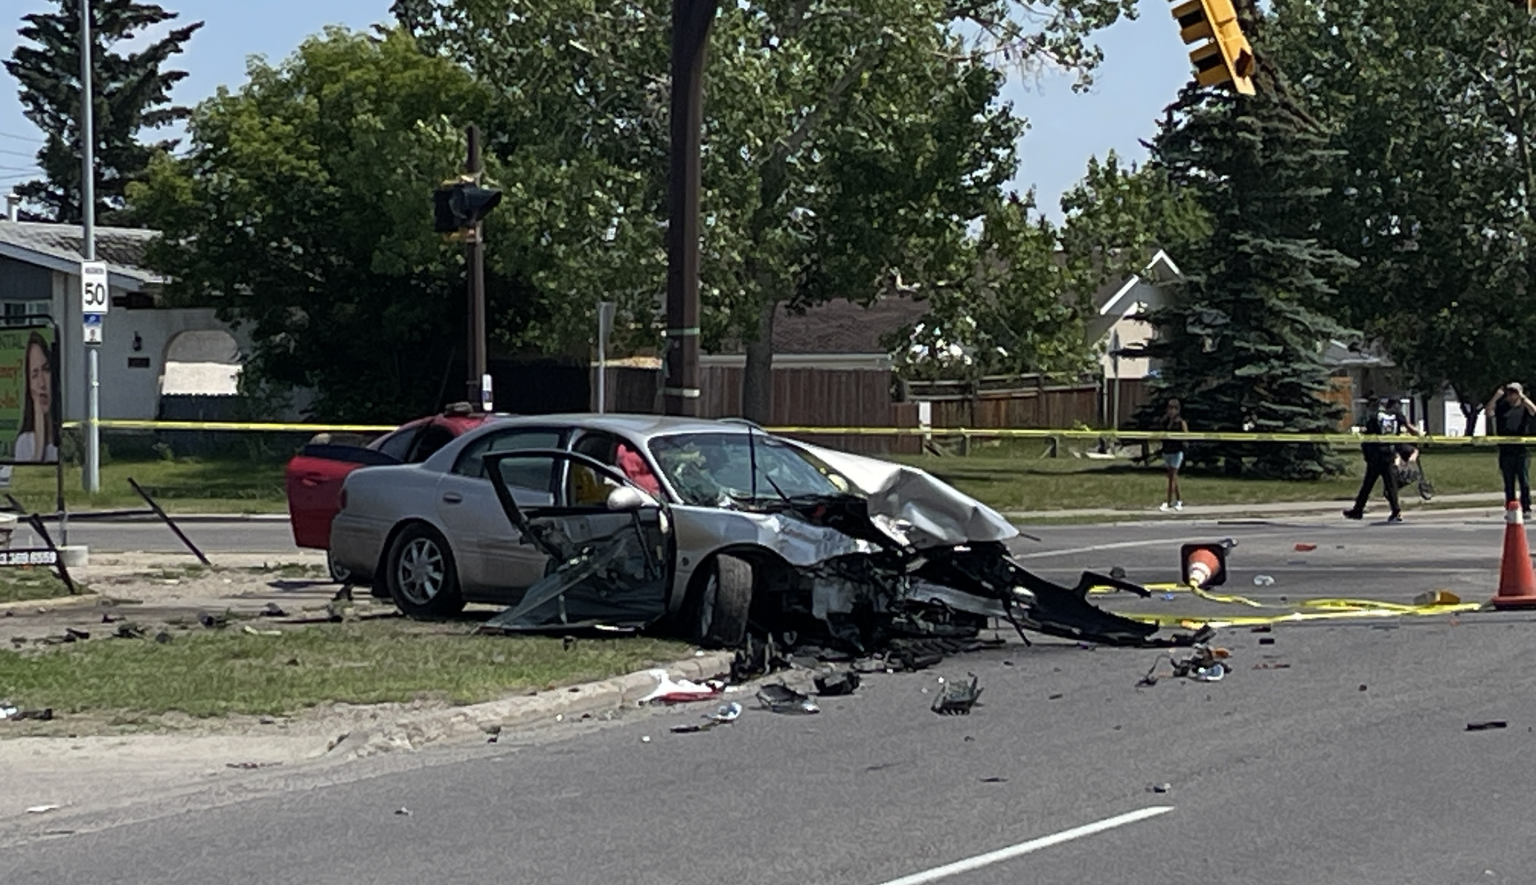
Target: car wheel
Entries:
(421, 575)
(339, 574)
(723, 601)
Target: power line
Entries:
(21, 138)
(15, 153)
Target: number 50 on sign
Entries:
(94, 295)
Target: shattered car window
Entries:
(712, 469)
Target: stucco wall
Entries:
(129, 390)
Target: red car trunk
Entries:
(315, 475)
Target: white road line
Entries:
(1033, 845)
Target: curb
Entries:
(52, 602)
(612, 694)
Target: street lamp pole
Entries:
(691, 21)
(88, 247)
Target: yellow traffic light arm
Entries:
(1224, 54)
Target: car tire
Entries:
(421, 574)
(721, 606)
(339, 574)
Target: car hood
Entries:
(927, 511)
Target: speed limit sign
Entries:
(94, 295)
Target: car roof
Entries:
(641, 427)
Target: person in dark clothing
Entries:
(1173, 454)
(1387, 419)
(1511, 413)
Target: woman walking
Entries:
(1173, 454)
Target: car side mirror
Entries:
(626, 498)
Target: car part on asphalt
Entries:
(957, 699)
(836, 684)
(780, 698)
(1204, 664)
(725, 715)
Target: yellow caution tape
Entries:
(939, 432)
(114, 424)
(1326, 610)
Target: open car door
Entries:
(609, 553)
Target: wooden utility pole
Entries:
(691, 21)
(479, 382)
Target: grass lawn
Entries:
(183, 486)
(20, 584)
(1029, 482)
(216, 673)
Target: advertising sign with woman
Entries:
(29, 427)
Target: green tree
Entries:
(1241, 345)
(302, 210)
(131, 94)
(1431, 109)
(845, 142)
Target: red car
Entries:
(316, 473)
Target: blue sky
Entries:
(1145, 64)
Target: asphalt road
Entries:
(1352, 764)
(254, 536)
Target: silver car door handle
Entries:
(452, 497)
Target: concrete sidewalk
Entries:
(1208, 511)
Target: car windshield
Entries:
(710, 469)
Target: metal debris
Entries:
(725, 715)
(836, 684)
(780, 698)
(957, 699)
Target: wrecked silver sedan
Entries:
(712, 530)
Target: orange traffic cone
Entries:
(1517, 584)
(1204, 565)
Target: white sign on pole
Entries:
(95, 298)
(94, 294)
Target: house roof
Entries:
(842, 326)
(58, 247)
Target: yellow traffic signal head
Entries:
(1227, 57)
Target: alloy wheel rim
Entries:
(421, 571)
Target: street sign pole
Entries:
(88, 250)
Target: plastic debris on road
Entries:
(676, 691)
(843, 682)
(1485, 726)
(957, 699)
(1206, 664)
(780, 698)
(43, 809)
(725, 715)
(1263, 581)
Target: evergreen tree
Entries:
(1241, 342)
(131, 93)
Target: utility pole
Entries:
(691, 21)
(479, 379)
(459, 208)
(88, 248)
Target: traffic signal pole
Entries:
(479, 382)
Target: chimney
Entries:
(13, 207)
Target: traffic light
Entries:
(1227, 58)
(462, 204)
